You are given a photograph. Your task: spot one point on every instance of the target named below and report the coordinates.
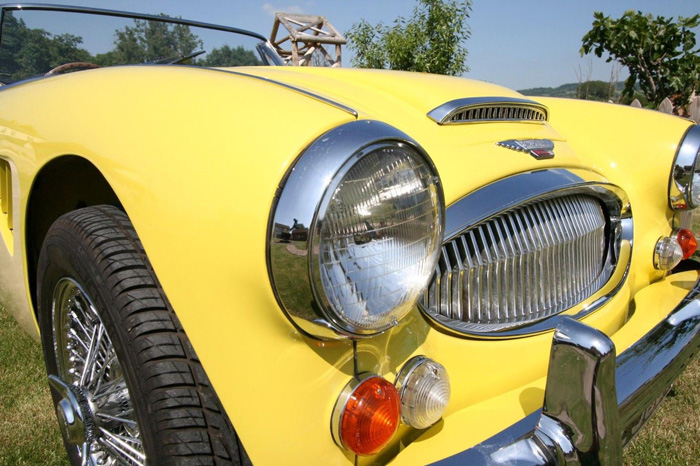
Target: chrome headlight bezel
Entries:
(304, 196)
(686, 166)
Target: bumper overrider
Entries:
(596, 402)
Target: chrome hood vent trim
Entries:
(489, 109)
(563, 242)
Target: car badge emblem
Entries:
(538, 148)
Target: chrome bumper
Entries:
(595, 403)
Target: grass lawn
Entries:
(28, 431)
(29, 434)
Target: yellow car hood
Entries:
(403, 100)
(368, 91)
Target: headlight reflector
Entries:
(379, 237)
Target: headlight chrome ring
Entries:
(684, 186)
(356, 231)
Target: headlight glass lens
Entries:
(379, 237)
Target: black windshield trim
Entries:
(126, 14)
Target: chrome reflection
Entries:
(329, 256)
(494, 280)
(684, 186)
(618, 403)
(483, 109)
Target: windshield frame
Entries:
(269, 51)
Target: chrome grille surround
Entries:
(489, 109)
(521, 251)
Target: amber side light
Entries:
(687, 242)
(371, 416)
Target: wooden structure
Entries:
(307, 35)
(692, 111)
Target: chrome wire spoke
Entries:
(85, 457)
(104, 357)
(79, 322)
(101, 375)
(129, 422)
(121, 449)
(111, 387)
(84, 454)
(77, 338)
(78, 357)
(91, 358)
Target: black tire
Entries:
(92, 259)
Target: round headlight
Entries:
(378, 238)
(356, 231)
(684, 188)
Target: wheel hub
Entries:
(75, 418)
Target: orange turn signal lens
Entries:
(687, 242)
(369, 415)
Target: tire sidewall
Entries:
(64, 256)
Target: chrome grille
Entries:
(521, 266)
(499, 113)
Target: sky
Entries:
(515, 43)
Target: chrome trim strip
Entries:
(643, 375)
(679, 186)
(508, 193)
(300, 90)
(443, 113)
(514, 191)
(299, 198)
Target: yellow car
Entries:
(233, 261)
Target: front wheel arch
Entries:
(64, 184)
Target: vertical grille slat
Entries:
(496, 112)
(522, 265)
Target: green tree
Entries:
(230, 56)
(595, 90)
(431, 41)
(659, 53)
(27, 52)
(149, 41)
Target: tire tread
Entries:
(192, 425)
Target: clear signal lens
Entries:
(667, 254)
(424, 387)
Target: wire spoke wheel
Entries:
(88, 363)
(127, 384)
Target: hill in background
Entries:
(590, 90)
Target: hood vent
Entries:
(488, 109)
